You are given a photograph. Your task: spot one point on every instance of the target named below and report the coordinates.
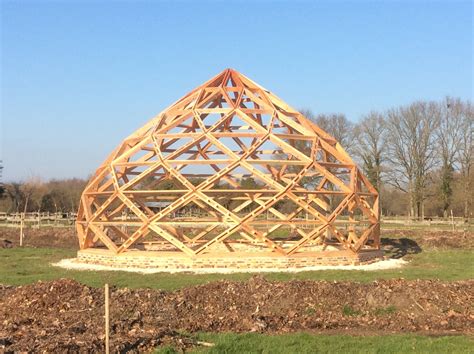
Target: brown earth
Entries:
(399, 242)
(48, 236)
(433, 239)
(64, 315)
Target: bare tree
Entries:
(52, 196)
(66, 193)
(448, 136)
(308, 114)
(337, 125)
(465, 155)
(412, 150)
(15, 194)
(370, 146)
(33, 191)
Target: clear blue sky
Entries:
(77, 77)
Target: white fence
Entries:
(37, 219)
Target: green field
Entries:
(21, 266)
(315, 343)
(26, 265)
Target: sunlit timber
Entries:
(229, 169)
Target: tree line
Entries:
(419, 157)
(36, 195)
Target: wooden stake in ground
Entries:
(452, 219)
(22, 222)
(107, 319)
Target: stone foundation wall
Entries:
(141, 260)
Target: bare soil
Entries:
(65, 315)
(432, 239)
(400, 241)
(59, 237)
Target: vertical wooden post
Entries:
(378, 212)
(124, 219)
(452, 219)
(22, 222)
(107, 324)
(351, 234)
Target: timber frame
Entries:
(229, 169)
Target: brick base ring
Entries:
(174, 260)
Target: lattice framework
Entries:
(229, 165)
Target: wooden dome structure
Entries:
(229, 170)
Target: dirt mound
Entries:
(60, 237)
(414, 240)
(449, 239)
(64, 315)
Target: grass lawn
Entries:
(26, 265)
(20, 266)
(316, 343)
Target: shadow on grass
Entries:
(400, 247)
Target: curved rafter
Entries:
(227, 165)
